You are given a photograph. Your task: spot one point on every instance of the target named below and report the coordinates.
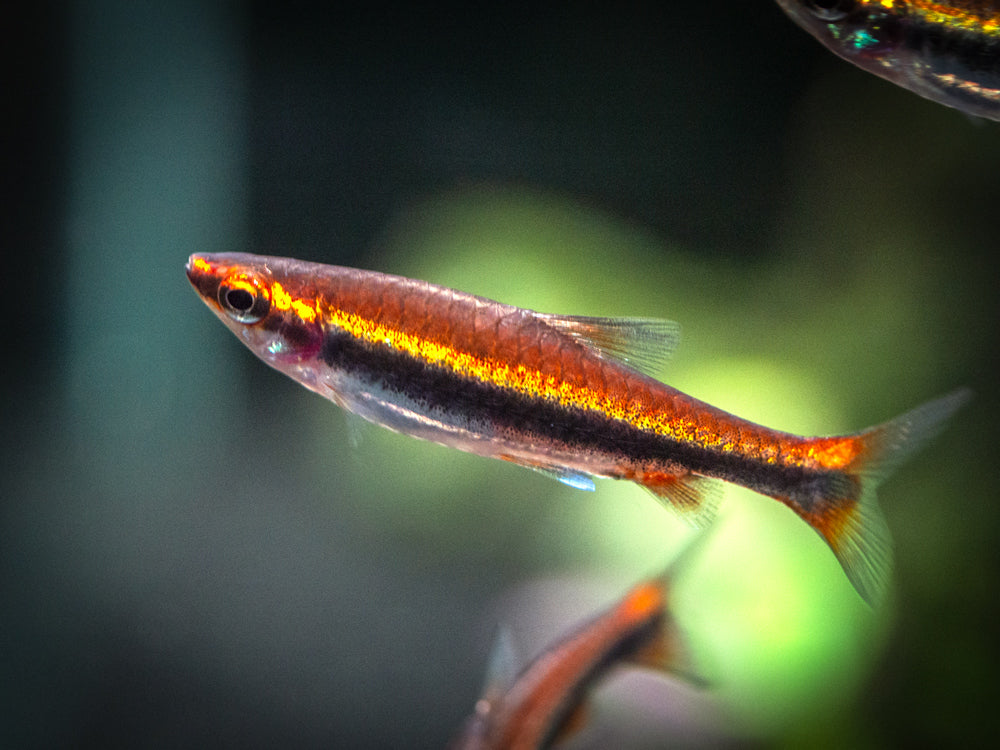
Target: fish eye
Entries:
(243, 298)
(831, 10)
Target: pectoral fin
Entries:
(576, 479)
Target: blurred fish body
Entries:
(559, 394)
(948, 52)
(545, 702)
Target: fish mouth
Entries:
(196, 266)
(202, 275)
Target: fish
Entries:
(546, 701)
(948, 52)
(573, 397)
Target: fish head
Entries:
(246, 294)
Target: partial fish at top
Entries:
(948, 52)
(565, 395)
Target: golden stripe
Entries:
(282, 300)
(531, 382)
(949, 16)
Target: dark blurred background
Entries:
(196, 551)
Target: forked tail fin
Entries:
(850, 520)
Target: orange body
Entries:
(541, 702)
(559, 394)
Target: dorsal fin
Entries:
(644, 344)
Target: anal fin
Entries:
(694, 497)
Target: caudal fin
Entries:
(856, 530)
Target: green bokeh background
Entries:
(198, 551)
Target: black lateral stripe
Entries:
(440, 390)
(955, 50)
(621, 650)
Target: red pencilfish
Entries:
(545, 701)
(948, 52)
(564, 395)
